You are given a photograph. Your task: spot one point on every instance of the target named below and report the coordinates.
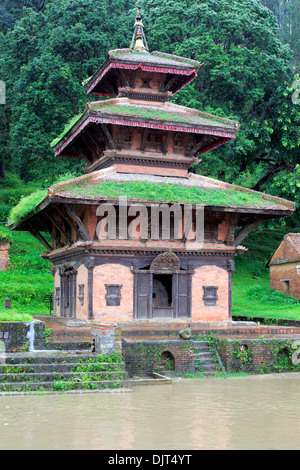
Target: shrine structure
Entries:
(138, 148)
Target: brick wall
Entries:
(288, 271)
(142, 358)
(258, 355)
(210, 276)
(4, 256)
(113, 274)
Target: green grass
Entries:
(169, 192)
(251, 294)
(27, 280)
(11, 191)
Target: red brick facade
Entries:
(285, 266)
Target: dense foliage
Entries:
(47, 48)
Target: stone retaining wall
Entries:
(28, 335)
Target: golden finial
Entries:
(139, 35)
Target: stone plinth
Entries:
(107, 338)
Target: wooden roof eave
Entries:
(21, 224)
(267, 212)
(104, 118)
(106, 67)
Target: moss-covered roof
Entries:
(195, 189)
(153, 58)
(169, 114)
(108, 185)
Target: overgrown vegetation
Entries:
(26, 205)
(171, 193)
(27, 281)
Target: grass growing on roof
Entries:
(155, 114)
(68, 126)
(169, 192)
(26, 205)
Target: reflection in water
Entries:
(261, 412)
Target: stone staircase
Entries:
(61, 371)
(205, 359)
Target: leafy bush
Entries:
(4, 212)
(270, 296)
(5, 237)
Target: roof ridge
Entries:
(177, 58)
(289, 239)
(270, 197)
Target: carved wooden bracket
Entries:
(79, 227)
(246, 229)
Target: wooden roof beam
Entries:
(252, 224)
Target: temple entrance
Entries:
(162, 295)
(163, 290)
(68, 293)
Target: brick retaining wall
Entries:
(263, 355)
(143, 357)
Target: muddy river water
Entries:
(256, 412)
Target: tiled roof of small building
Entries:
(294, 241)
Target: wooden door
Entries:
(142, 304)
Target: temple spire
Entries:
(139, 35)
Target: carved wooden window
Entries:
(210, 226)
(57, 296)
(113, 295)
(178, 143)
(153, 142)
(210, 295)
(125, 138)
(81, 294)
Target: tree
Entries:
(246, 70)
(287, 13)
(43, 60)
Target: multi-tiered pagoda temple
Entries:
(138, 148)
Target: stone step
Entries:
(61, 385)
(50, 357)
(61, 367)
(201, 344)
(60, 371)
(205, 358)
(69, 345)
(68, 376)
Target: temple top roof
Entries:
(139, 35)
(138, 57)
